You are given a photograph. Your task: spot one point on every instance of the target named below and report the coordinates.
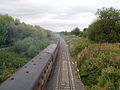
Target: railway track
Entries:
(65, 78)
(49, 70)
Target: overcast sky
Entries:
(56, 15)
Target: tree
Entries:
(106, 28)
(108, 14)
(17, 21)
(6, 29)
(85, 29)
(65, 32)
(26, 39)
(85, 33)
(76, 31)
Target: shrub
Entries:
(30, 46)
(107, 26)
(32, 51)
(78, 46)
(110, 78)
(99, 65)
(9, 63)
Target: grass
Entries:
(98, 64)
(77, 44)
(10, 62)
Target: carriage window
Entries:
(44, 71)
(38, 84)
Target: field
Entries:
(98, 64)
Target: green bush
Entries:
(12, 30)
(77, 50)
(10, 62)
(26, 40)
(76, 31)
(99, 66)
(6, 27)
(30, 46)
(110, 78)
(80, 45)
(32, 51)
(107, 26)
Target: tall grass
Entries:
(77, 44)
(99, 65)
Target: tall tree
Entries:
(106, 28)
(76, 31)
(6, 29)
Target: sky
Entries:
(56, 15)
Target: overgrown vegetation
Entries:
(30, 47)
(97, 51)
(77, 44)
(26, 41)
(106, 28)
(12, 30)
(98, 64)
(10, 62)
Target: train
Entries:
(35, 74)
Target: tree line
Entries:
(76, 31)
(25, 38)
(106, 27)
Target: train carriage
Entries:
(34, 74)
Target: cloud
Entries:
(56, 15)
